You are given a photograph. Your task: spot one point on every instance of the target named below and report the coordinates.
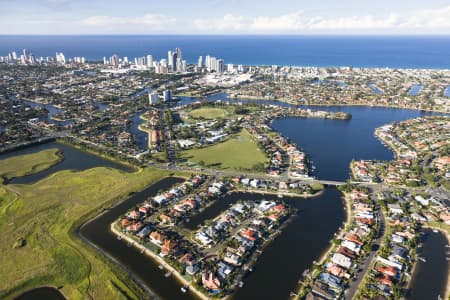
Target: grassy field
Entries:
(209, 113)
(239, 153)
(38, 241)
(29, 164)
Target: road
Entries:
(368, 262)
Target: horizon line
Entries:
(237, 34)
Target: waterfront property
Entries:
(231, 241)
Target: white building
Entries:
(153, 98)
(341, 260)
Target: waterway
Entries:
(430, 278)
(288, 255)
(74, 159)
(140, 136)
(43, 293)
(415, 90)
(447, 91)
(375, 89)
(52, 110)
(332, 144)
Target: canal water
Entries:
(287, 256)
(140, 136)
(430, 278)
(74, 159)
(332, 144)
(44, 293)
(415, 90)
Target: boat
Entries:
(168, 274)
(422, 259)
(280, 196)
(435, 231)
(185, 288)
(119, 237)
(160, 267)
(240, 284)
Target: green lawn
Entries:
(239, 153)
(29, 164)
(37, 224)
(209, 113)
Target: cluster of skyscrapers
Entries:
(212, 64)
(174, 63)
(28, 58)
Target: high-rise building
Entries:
(31, 59)
(149, 60)
(178, 52)
(170, 58)
(200, 61)
(207, 61)
(60, 58)
(220, 66)
(104, 60)
(115, 61)
(174, 61)
(167, 95)
(153, 98)
(213, 64)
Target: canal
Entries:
(43, 293)
(74, 159)
(332, 144)
(430, 277)
(293, 251)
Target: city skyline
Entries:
(225, 17)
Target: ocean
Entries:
(431, 52)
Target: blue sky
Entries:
(225, 17)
